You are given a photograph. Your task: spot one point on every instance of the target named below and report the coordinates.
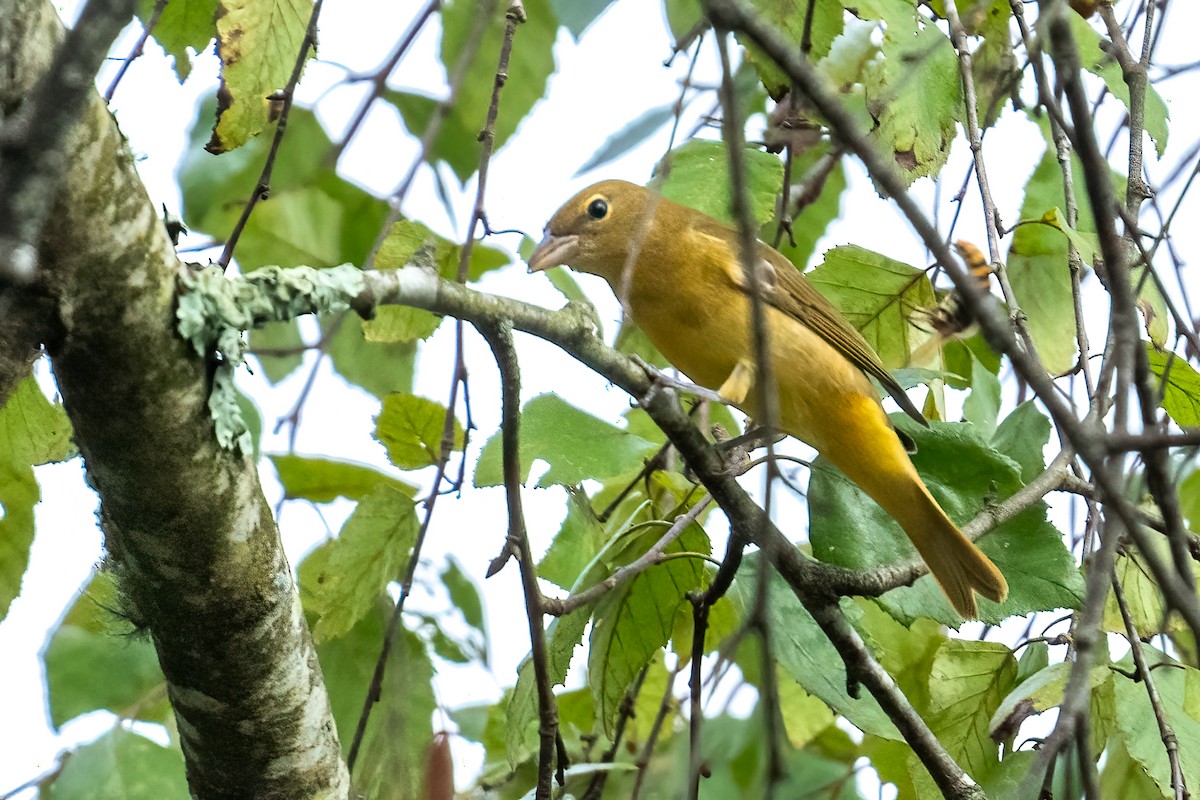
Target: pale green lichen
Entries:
(214, 312)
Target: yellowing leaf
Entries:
(258, 42)
(914, 92)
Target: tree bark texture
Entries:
(187, 529)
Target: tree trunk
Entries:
(187, 530)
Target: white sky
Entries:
(592, 95)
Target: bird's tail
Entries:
(959, 566)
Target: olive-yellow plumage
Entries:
(677, 272)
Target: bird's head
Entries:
(594, 230)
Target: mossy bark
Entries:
(187, 530)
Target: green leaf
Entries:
(1088, 245)
(323, 480)
(1034, 658)
(411, 428)
(1189, 499)
(1179, 383)
(788, 18)
(1037, 258)
(993, 64)
(400, 324)
(876, 295)
(635, 133)
(257, 41)
(803, 649)
(982, 405)
(1095, 59)
(371, 551)
(1152, 304)
(1037, 269)
(93, 639)
(391, 760)
(1124, 777)
(32, 431)
(849, 56)
(312, 218)
(1040, 692)
(531, 58)
(1137, 728)
(577, 15)
(319, 226)
(682, 16)
(1147, 606)
(913, 92)
(1022, 436)
(282, 336)
(635, 620)
(579, 539)
(381, 369)
(967, 682)
(698, 177)
(553, 431)
(402, 242)
(183, 24)
(19, 493)
(464, 594)
(563, 635)
(963, 473)
(121, 766)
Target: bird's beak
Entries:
(554, 251)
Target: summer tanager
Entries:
(677, 272)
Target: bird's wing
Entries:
(783, 287)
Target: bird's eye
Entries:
(597, 209)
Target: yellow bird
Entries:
(677, 273)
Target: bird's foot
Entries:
(660, 380)
(753, 438)
(737, 386)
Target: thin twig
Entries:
(1133, 70)
(1087, 440)
(375, 691)
(760, 621)
(1170, 741)
(651, 557)
(137, 49)
(380, 77)
(499, 338)
(696, 768)
(287, 97)
(456, 76)
(991, 216)
(625, 712)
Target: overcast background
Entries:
(604, 81)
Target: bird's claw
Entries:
(660, 380)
